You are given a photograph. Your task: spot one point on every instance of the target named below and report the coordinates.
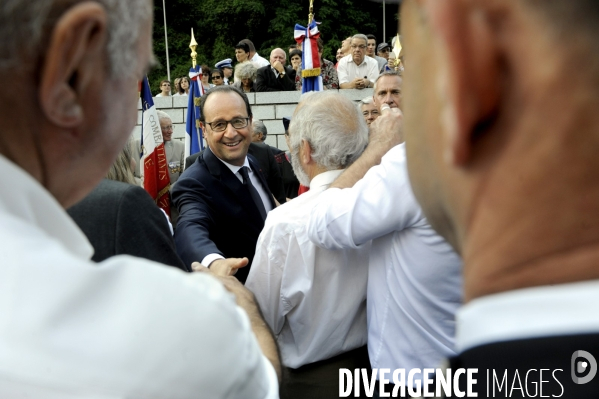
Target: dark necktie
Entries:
(253, 192)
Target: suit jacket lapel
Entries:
(256, 168)
(220, 171)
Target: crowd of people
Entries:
(456, 240)
(359, 61)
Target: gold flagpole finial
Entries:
(397, 51)
(193, 45)
(311, 16)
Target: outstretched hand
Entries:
(223, 267)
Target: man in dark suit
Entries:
(268, 167)
(276, 76)
(122, 219)
(505, 164)
(222, 198)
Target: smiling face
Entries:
(166, 125)
(230, 145)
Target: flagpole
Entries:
(384, 24)
(311, 15)
(168, 66)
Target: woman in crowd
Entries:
(177, 86)
(184, 85)
(245, 76)
(295, 56)
(206, 71)
(217, 77)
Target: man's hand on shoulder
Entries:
(223, 267)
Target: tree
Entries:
(220, 24)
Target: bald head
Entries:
(278, 55)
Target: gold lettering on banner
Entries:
(162, 164)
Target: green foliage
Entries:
(220, 24)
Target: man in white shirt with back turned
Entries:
(356, 70)
(414, 281)
(314, 299)
(125, 327)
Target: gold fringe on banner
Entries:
(310, 73)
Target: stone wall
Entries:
(268, 107)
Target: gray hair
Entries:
(364, 101)
(386, 73)
(332, 125)
(122, 168)
(246, 70)
(360, 36)
(25, 26)
(259, 126)
(163, 115)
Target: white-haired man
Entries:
(369, 110)
(125, 327)
(414, 281)
(356, 71)
(174, 149)
(276, 76)
(314, 299)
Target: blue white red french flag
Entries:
(194, 139)
(154, 172)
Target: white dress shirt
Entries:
(414, 280)
(314, 299)
(259, 61)
(123, 328)
(208, 259)
(348, 70)
(564, 309)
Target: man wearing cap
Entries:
(382, 50)
(276, 76)
(226, 68)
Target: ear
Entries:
(469, 78)
(76, 52)
(305, 152)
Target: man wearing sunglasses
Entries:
(223, 198)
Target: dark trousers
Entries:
(320, 380)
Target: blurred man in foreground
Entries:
(125, 327)
(506, 170)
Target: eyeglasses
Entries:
(216, 77)
(374, 112)
(169, 127)
(355, 46)
(237, 123)
(166, 84)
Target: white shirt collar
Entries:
(234, 168)
(26, 199)
(563, 309)
(325, 179)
